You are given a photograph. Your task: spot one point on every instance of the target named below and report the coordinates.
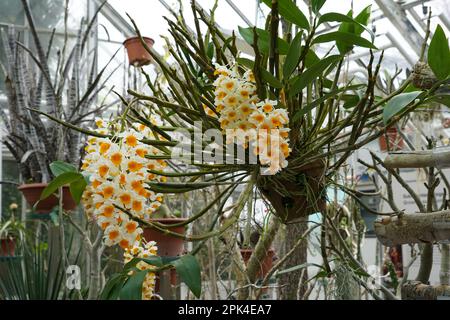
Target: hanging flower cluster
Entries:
(118, 168)
(239, 107)
(145, 251)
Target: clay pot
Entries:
(395, 140)
(266, 263)
(168, 246)
(7, 247)
(137, 55)
(294, 206)
(32, 193)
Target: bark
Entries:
(445, 264)
(413, 228)
(293, 284)
(415, 290)
(418, 159)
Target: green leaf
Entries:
(439, 54)
(77, 188)
(311, 58)
(132, 290)
(58, 167)
(246, 62)
(440, 98)
(113, 287)
(189, 270)
(293, 56)
(337, 17)
(363, 19)
(398, 103)
(346, 38)
(270, 79)
(210, 50)
(263, 40)
(59, 181)
(290, 12)
(316, 5)
(302, 80)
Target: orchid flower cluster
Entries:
(117, 169)
(138, 251)
(241, 111)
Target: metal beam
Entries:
(397, 16)
(116, 19)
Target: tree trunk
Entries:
(293, 284)
(413, 228)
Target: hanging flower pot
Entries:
(7, 247)
(168, 246)
(395, 140)
(137, 55)
(302, 194)
(266, 263)
(32, 193)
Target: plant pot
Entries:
(395, 140)
(32, 193)
(7, 247)
(266, 263)
(137, 55)
(297, 200)
(168, 246)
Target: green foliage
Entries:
(263, 40)
(346, 39)
(439, 54)
(398, 103)
(293, 56)
(316, 5)
(289, 10)
(129, 287)
(66, 174)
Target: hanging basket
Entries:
(137, 55)
(32, 193)
(296, 197)
(168, 246)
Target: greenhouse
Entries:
(224, 150)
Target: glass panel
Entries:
(10, 194)
(11, 12)
(49, 14)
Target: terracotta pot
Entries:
(137, 55)
(299, 205)
(266, 263)
(167, 245)
(395, 140)
(7, 247)
(32, 193)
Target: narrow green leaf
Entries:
(398, 103)
(290, 12)
(334, 16)
(316, 5)
(77, 188)
(263, 40)
(132, 289)
(440, 98)
(153, 260)
(112, 288)
(189, 270)
(439, 54)
(246, 62)
(59, 181)
(270, 79)
(293, 56)
(346, 38)
(210, 50)
(302, 80)
(363, 19)
(58, 167)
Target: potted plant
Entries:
(32, 193)
(168, 245)
(10, 231)
(248, 249)
(137, 54)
